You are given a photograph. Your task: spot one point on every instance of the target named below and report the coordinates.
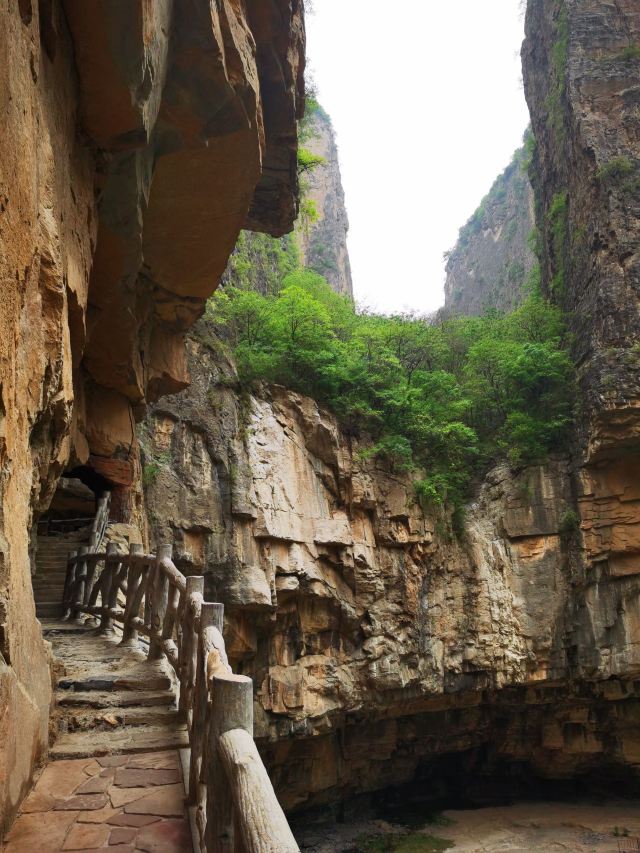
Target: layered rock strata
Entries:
(492, 260)
(137, 140)
(581, 62)
(379, 645)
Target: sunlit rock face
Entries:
(380, 646)
(136, 139)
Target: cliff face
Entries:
(384, 651)
(319, 240)
(324, 241)
(380, 647)
(136, 143)
(582, 81)
(492, 260)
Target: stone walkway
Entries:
(121, 803)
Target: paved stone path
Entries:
(117, 783)
(121, 803)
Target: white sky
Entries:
(427, 102)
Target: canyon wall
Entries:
(324, 241)
(582, 81)
(137, 140)
(581, 64)
(381, 647)
(319, 239)
(384, 650)
(491, 263)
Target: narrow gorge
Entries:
(462, 635)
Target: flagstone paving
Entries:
(122, 803)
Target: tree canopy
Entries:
(447, 395)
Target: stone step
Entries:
(114, 699)
(84, 744)
(115, 718)
(53, 628)
(48, 610)
(107, 681)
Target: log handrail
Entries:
(146, 594)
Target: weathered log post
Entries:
(188, 646)
(211, 616)
(109, 582)
(259, 819)
(132, 607)
(91, 564)
(159, 599)
(67, 594)
(231, 709)
(78, 595)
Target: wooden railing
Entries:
(99, 526)
(145, 594)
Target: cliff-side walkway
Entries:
(115, 781)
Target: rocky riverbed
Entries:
(585, 827)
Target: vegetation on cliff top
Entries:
(447, 396)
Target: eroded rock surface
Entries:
(137, 140)
(379, 645)
(582, 82)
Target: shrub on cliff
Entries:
(448, 396)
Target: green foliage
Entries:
(620, 171)
(620, 832)
(150, 471)
(308, 213)
(446, 397)
(557, 221)
(569, 522)
(152, 465)
(529, 151)
(414, 842)
(631, 53)
(260, 262)
(308, 161)
(314, 108)
(616, 168)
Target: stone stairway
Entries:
(51, 568)
(109, 698)
(115, 778)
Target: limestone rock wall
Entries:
(378, 644)
(324, 242)
(491, 262)
(582, 82)
(137, 139)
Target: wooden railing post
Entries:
(130, 632)
(159, 599)
(91, 564)
(211, 615)
(109, 581)
(260, 825)
(188, 646)
(67, 595)
(231, 708)
(78, 592)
